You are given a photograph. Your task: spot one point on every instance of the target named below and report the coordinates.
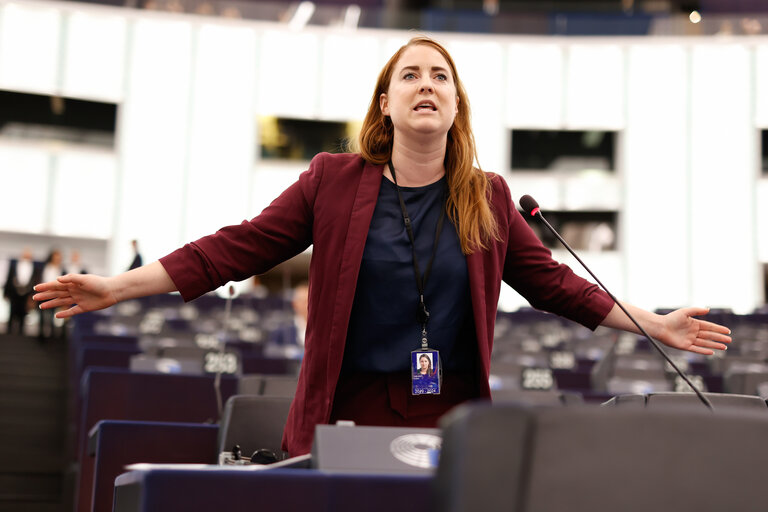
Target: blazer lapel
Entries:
(476, 267)
(349, 268)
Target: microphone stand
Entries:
(536, 212)
(222, 344)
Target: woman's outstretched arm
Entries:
(87, 292)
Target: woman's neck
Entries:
(417, 165)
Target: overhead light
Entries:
(695, 17)
(351, 16)
(301, 17)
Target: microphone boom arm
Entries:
(537, 212)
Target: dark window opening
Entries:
(302, 139)
(764, 151)
(557, 150)
(593, 231)
(45, 118)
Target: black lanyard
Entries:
(421, 281)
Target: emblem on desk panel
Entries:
(418, 450)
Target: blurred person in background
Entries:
(410, 242)
(23, 275)
(75, 266)
(287, 338)
(257, 288)
(137, 259)
(300, 305)
(51, 270)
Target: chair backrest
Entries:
(762, 390)
(520, 459)
(280, 385)
(270, 385)
(168, 365)
(121, 442)
(623, 385)
(726, 364)
(651, 362)
(536, 397)
(96, 354)
(251, 384)
(254, 422)
(120, 394)
(744, 382)
(256, 363)
(718, 400)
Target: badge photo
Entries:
(425, 372)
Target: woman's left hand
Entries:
(679, 329)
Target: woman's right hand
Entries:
(78, 293)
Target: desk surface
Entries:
(203, 488)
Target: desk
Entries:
(231, 489)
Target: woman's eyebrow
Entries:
(417, 68)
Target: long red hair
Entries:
(467, 205)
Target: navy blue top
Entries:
(383, 328)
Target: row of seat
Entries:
(138, 377)
(644, 452)
(154, 397)
(605, 363)
(503, 452)
(254, 414)
(161, 334)
(635, 456)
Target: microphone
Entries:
(531, 207)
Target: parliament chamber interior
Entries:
(129, 128)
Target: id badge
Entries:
(426, 372)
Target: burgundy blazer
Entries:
(330, 207)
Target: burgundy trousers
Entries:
(385, 399)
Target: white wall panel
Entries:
(94, 59)
(547, 189)
(154, 139)
(348, 75)
(605, 265)
(723, 171)
(655, 226)
(591, 189)
(534, 85)
(222, 129)
(761, 85)
(480, 68)
(82, 199)
(391, 43)
(5, 309)
(289, 74)
(594, 86)
(190, 90)
(762, 220)
(270, 179)
(761, 121)
(24, 175)
(29, 48)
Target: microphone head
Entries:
(529, 204)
